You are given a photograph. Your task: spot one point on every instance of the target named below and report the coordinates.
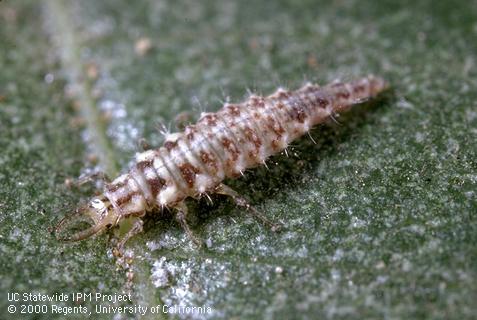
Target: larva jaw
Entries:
(97, 214)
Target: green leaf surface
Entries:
(380, 214)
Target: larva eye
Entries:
(97, 205)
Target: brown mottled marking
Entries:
(275, 126)
(126, 198)
(252, 137)
(257, 102)
(359, 88)
(208, 159)
(169, 145)
(144, 164)
(275, 144)
(211, 120)
(113, 187)
(230, 146)
(156, 185)
(283, 94)
(253, 154)
(343, 94)
(190, 132)
(322, 103)
(188, 172)
(297, 113)
(233, 109)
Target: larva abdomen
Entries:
(220, 145)
(242, 136)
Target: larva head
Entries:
(87, 220)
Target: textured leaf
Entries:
(380, 213)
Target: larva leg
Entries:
(181, 217)
(242, 202)
(135, 229)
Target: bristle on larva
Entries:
(222, 144)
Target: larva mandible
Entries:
(222, 144)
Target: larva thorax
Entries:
(222, 144)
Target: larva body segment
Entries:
(220, 145)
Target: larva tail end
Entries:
(377, 85)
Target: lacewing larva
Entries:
(194, 162)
